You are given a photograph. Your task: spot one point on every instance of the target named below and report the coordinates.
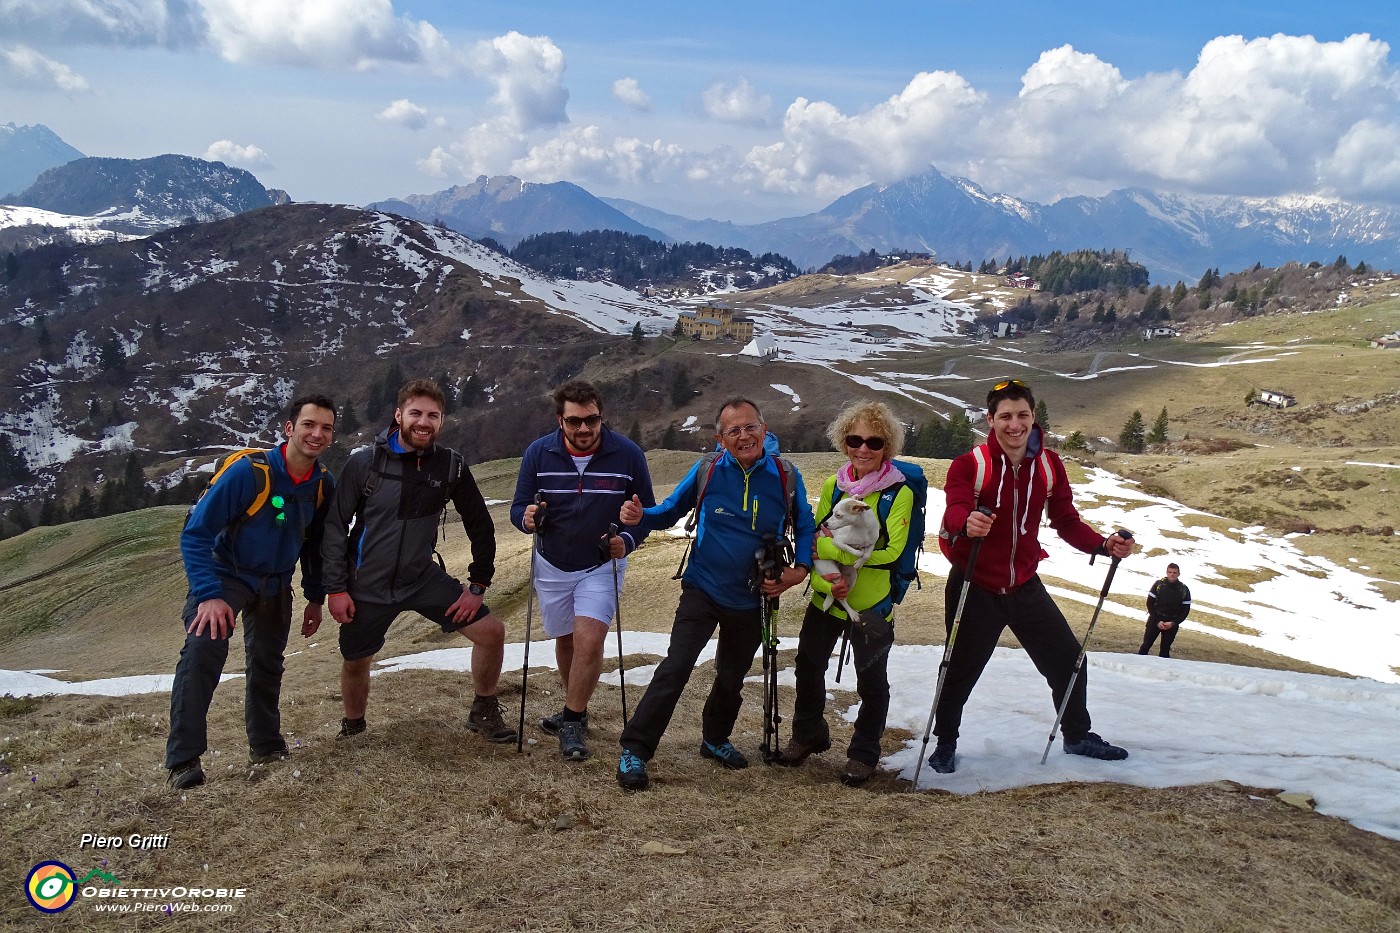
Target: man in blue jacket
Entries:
(240, 544)
(746, 505)
(583, 472)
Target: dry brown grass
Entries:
(419, 824)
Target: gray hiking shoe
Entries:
(571, 742)
(550, 724)
(186, 775)
(485, 717)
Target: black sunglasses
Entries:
(854, 441)
(575, 422)
(1007, 383)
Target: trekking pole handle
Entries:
(539, 512)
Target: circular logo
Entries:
(50, 887)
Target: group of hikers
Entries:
(366, 540)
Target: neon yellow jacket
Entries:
(872, 583)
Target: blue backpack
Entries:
(904, 569)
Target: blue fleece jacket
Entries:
(739, 509)
(262, 552)
(579, 507)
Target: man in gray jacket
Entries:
(396, 493)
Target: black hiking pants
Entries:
(1151, 633)
(267, 621)
(697, 617)
(1038, 625)
(870, 659)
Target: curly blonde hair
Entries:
(875, 414)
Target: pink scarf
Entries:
(883, 478)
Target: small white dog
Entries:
(855, 529)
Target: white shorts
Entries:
(565, 595)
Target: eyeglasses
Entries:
(739, 430)
(854, 441)
(575, 422)
(1007, 383)
(279, 504)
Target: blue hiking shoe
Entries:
(632, 772)
(726, 754)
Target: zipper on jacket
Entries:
(1015, 528)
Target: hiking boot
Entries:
(1091, 746)
(942, 758)
(186, 775)
(571, 742)
(267, 758)
(726, 754)
(549, 725)
(795, 752)
(632, 772)
(485, 717)
(350, 727)
(856, 773)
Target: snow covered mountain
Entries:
(145, 195)
(1175, 236)
(26, 151)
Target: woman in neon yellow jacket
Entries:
(870, 436)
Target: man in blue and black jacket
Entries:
(582, 473)
(240, 545)
(746, 504)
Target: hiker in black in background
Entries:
(1168, 605)
(257, 518)
(396, 492)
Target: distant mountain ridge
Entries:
(507, 210)
(26, 152)
(146, 195)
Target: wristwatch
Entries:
(476, 589)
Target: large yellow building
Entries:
(716, 320)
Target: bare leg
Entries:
(488, 638)
(589, 638)
(564, 658)
(354, 686)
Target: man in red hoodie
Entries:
(1018, 480)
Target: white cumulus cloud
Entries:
(231, 153)
(405, 113)
(738, 103)
(528, 74)
(630, 93)
(24, 67)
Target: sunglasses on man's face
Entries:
(574, 422)
(854, 441)
(1007, 383)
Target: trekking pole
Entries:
(617, 598)
(948, 646)
(529, 617)
(1084, 648)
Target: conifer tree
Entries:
(1042, 414)
(1158, 434)
(1133, 436)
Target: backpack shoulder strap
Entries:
(982, 458)
(788, 473)
(1048, 469)
(702, 482)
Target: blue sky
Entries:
(743, 111)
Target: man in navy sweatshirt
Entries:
(582, 473)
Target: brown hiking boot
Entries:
(795, 752)
(485, 717)
(856, 773)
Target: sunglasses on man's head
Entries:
(854, 441)
(573, 421)
(1007, 383)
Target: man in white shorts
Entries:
(583, 472)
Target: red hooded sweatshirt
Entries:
(1011, 552)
